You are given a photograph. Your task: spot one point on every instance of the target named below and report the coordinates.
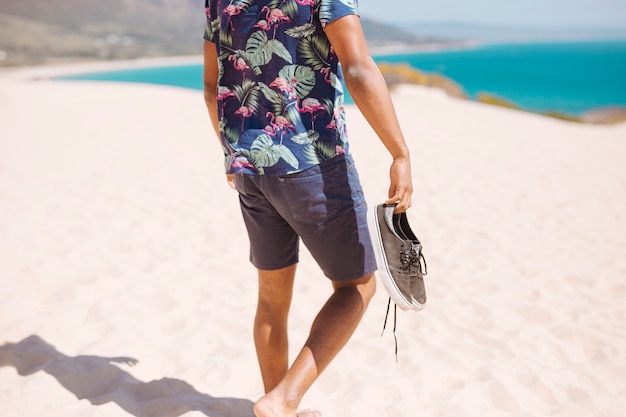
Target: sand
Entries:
(127, 290)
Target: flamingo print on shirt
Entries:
(280, 94)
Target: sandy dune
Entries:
(127, 290)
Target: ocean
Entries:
(568, 77)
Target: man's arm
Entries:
(210, 76)
(369, 91)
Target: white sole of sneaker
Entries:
(417, 306)
(383, 266)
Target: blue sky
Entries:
(545, 13)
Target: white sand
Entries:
(120, 239)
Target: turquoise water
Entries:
(187, 76)
(566, 77)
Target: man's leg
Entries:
(330, 331)
(270, 324)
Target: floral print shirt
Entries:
(280, 91)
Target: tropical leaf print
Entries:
(288, 7)
(215, 25)
(260, 49)
(234, 8)
(265, 153)
(310, 155)
(328, 103)
(238, 5)
(279, 85)
(315, 150)
(207, 29)
(332, 79)
(228, 159)
(273, 97)
(292, 114)
(309, 141)
(232, 134)
(240, 60)
(316, 51)
(248, 94)
(326, 10)
(304, 77)
(287, 155)
(226, 43)
(275, 4)
(303, 31)
(262, 151)
(325, 150)
(306, 138)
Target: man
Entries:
(273, 88)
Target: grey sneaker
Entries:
(414, 259)
(398, 254)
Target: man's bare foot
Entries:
(266, 407)
(309, 413)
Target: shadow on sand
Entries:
(98, 380)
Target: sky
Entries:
(543, 13)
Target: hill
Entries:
(37, 31)
(512, 33)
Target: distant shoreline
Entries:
(61, 69)
(600, 114)
(71, 66)
(403, 48)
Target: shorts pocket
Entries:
(312, 195)
(354, 182)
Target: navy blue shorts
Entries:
(323, 205)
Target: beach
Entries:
(128, 291)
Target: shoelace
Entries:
(395, 322)
(421, 260)
(408, 258)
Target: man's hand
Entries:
(369, 91)
(401, 186)
(230, 179)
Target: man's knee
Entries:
(366, 286)
(369, 288)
